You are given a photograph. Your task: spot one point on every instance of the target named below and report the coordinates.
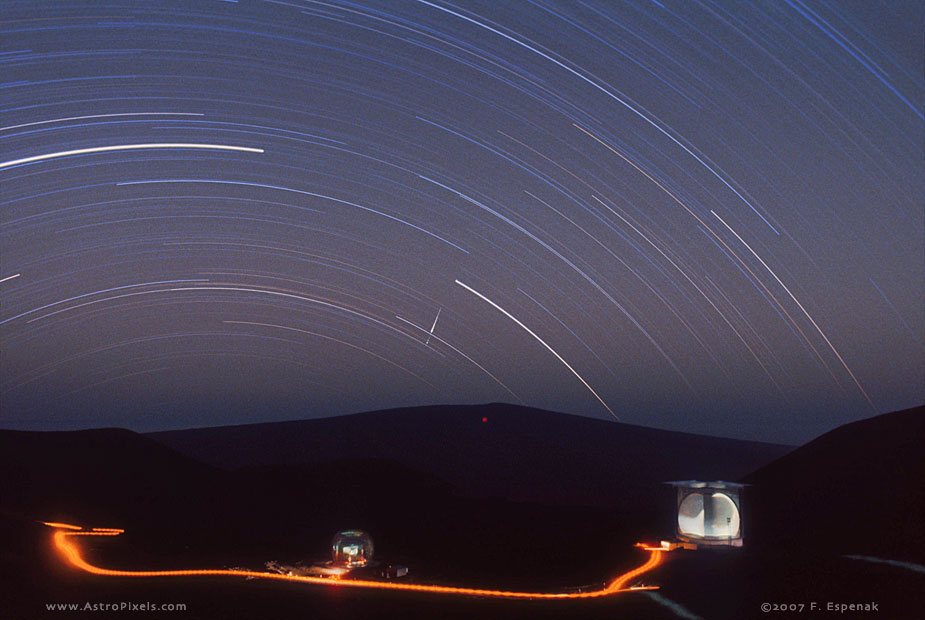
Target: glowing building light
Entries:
(351, 548)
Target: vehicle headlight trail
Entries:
(67, 547)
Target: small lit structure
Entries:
(391, 571)
(351, 549)
(709, 513)
(351, 558)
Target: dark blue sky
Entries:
(704, 216)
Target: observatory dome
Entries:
(351, 548)
(709, 512)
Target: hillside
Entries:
(103, 476)
(855, 489)
(518, 453)
(279, 491)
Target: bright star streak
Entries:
(130, 147)
(796, 301)
(108, 290)
(352, 346)
(577, 270)
(612, 96)
(568, 154)
(299, 191)
(80, 118)
(540, 340)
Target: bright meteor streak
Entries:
(68, 549)
(540, 340)
(130, 147)
(433, 327)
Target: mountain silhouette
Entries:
(518, 453)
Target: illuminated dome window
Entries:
(723, 521)
(351, 548)
(708, 512)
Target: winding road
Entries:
(66, 536)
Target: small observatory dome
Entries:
(351, 548)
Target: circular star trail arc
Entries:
(703, 215)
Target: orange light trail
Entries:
(65, 526)
(68, 549)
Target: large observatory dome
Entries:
(709, 512)
(718, 520)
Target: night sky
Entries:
(704, 216)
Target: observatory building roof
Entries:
(699, 484)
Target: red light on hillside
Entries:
(484, 419)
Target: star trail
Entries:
(699, 215)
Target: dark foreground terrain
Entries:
(854, 491)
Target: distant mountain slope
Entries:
(519, 453)
(102, 476)
(857, 489)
